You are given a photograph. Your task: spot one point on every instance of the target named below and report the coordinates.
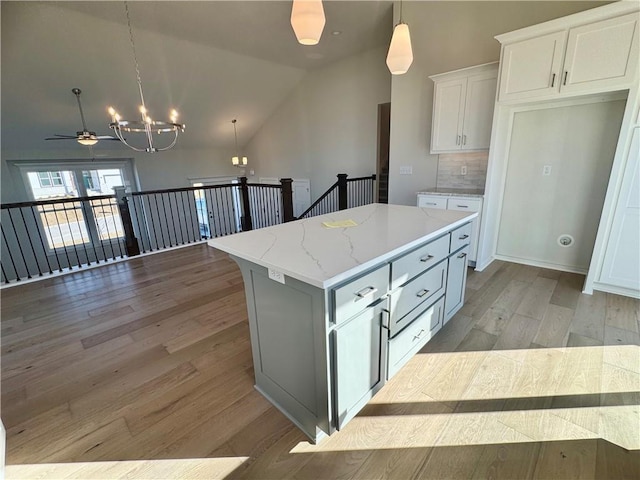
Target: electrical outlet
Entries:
(546, 170)
(276, 275)
(463, 170)
(406, 170)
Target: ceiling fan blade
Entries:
(107, 137)
(60, 137)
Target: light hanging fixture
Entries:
(400, 56)
(237, 160)
(147, 125)
(307, 20)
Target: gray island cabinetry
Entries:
(335, 310)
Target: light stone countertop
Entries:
(323, 257)
(454, 192)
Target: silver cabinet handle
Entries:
(462, 255)
(430, 203)
(463, 237)
(565, 77)
(464, 139)
(553, 79)
(365, 292)
(422, 293)
(416, 337)
(426, 259)
(462, 206)
(458, 140)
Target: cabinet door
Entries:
(456, 282)
(621, 266)
(602, 55)
(432, 201)
(469, 205)
(360, 353)
(531, 68)
(448, 109)
(478, 113)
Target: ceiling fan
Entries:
(84, 137)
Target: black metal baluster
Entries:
(73, 240)
(15, 232)
(117, 237)
(15, 269)
(216, 208)
(155, 197)
(53, 247)
(84, 244)
(196, 236)
(223, 210)
(153, 225)
(211, 211)
(33, 250)
(44, 250)
(6, 279)
(137, 217)
(175, 196)
(166, 219)
(173, 222)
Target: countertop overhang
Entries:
(323, 257)
(454, 192)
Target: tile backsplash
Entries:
(450, 168)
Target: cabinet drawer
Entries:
(432, 202)
(413, 263)
(414, 337)
(419, 291)
(356, 295)
(464, 204)
(460, 237)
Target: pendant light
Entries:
(307, 20)
(237, 160)
(400, 56)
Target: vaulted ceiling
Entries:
(213, 61)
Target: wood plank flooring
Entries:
(143, 369)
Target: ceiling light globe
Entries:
(87, 141)
(308, 20)
(400, 56)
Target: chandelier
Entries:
(237, 160)
(146, 125)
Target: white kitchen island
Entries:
(335, 312)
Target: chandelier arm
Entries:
(175, 139)
(123, 140)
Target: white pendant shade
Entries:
(307, 20)
(400, 56)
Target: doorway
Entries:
(382, 168)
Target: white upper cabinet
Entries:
(463, 103)
(591, 58)
(530, 68)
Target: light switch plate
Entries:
(546, 170)
(406, 170)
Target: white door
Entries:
(531, 68)
(301, 195)
(602, 54)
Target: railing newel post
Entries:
(342, 191)
(247, 223)
(287, 199)
(131, 242)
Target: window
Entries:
(50, 179)
(89, 222)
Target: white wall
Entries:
(447, 36)
(328, 125)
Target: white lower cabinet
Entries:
(456, 283)
(360, 350)
(461, 203)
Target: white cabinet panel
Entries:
(601, 54)
(531, 68)
(478, 113)
(621, 267)
(463, 103)
(469, 205)
(593, 58)
(432, 201)
(456, 282)
(448, 110)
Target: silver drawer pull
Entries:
(365, 292)
(422, 293)
(427, 258)
(462, 255)
(415, 337)
(462, 206)
(430, 203)
(463, 237)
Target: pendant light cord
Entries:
(400, 11)
(235, 134)
(135, 57)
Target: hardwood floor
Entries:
(143, 369)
